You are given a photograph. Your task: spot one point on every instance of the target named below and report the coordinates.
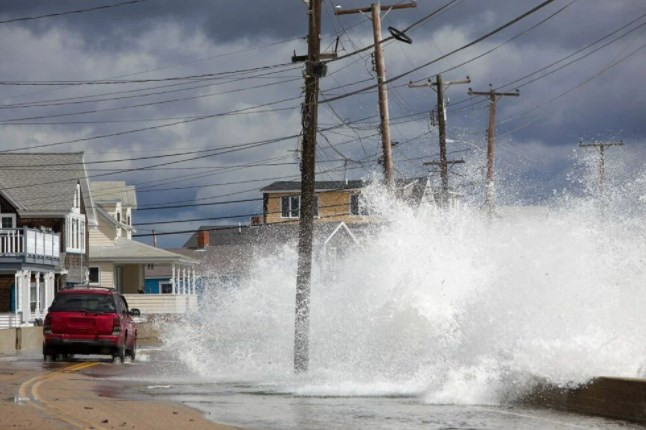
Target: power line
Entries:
(75, 100)
(200, 77)
(237, 227)
(522, 33)
(9, 121)
(563, 94)
(246, 110)
(462, 48)
(50, 15)
(509, 84)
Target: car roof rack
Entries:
(86, 287)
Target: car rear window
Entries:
(84, 302)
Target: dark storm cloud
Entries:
(162, 33)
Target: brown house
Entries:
(335, 201)
(45, 214)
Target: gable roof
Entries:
(100, 210)
(114, 191)
(45, 183)
(277, 234)
(233, 251)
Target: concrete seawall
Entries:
(20, 339)
(619, 398)
(31, 338)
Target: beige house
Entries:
(117, 261)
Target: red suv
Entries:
(91, 320)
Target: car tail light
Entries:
(116, 325)
(47, 325)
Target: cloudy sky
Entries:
(577, 63)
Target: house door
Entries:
(6, 287)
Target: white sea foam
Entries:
(449, 306)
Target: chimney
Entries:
(202, 239)
(154, 239)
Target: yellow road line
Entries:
(22, 392)
(32, 386)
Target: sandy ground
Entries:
(37, 395)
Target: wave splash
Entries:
(449, 307)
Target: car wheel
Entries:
(133, 351)
(120, 354)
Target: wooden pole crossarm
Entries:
(326, 56)
(369, 9)
(439, 163)
(431, 83)
(493, 93)
(600, 144)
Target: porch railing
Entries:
(30, 244)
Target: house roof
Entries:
(233, 251)
(45, 183)
(130, 251)
(319, 185)
(333, 185)
(114, 191)
(165, 270)
(101, 211)
(264, 233)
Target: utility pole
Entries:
(601, 146)
(439, 86)
(314, 70)
(493, 96)
(375, 10)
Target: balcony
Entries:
(26, 245)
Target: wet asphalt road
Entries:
(156, 376)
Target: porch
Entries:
(165, 304)
(25, 297)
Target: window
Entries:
(118, 216)
(356, 206)
(76, 208)
(33, 297)
(94, 276)
(75, 233)
(290, 206)
(84, 302)
(7, 221)
(166, 288)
